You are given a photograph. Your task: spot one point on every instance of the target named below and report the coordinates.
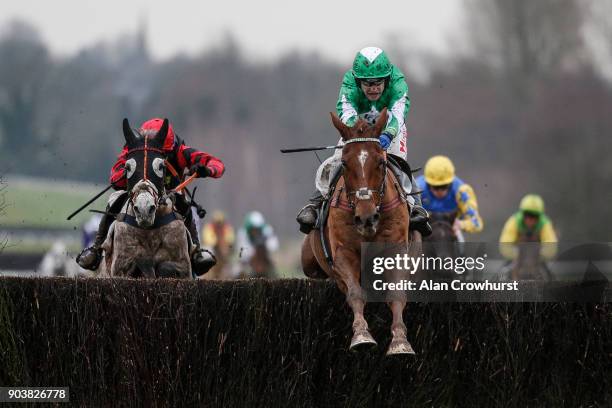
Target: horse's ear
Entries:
(160, 137)
(381, 122)
(338, 124)
(130, 138)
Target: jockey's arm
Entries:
(188, 157)
(346, 106)
(399, 104)
(271, 239)
(548, 239)
(508, 239)
(118, 178)
(469, 217)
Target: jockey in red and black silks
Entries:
(180, 157)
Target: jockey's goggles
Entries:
(440, 188)
(372, 81)
(531, 214)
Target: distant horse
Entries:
(148, 239)
(261, 263)
(370, 207)
(222, 250)
(529, 265)
(442, 243)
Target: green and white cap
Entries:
(371, 62)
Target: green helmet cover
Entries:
(371, 62)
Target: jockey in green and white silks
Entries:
(370, 66)
(371, 85)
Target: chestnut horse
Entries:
(371, 208)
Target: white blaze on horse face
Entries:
(158, 167)
(363, 156)
(144, 203)
(130, 167)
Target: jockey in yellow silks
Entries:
(529, 224)
(444, 192)
(219, 231)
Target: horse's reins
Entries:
(175, 173)
(366, 193)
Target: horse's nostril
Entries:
(137, 210)
(358, 220)
(376, 217)
(151, 209)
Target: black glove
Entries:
(201, 170)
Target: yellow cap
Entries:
(532, 203)
(218, 216)
(439, 170)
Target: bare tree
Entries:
(24, 62)
(3, 239)
(526, 39)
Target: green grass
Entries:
(46, 205)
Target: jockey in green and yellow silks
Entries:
(529, 224)
(444, 192)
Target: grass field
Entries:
(37, 203)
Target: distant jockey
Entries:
(255, 231)
(181, 157)
(444, 192)
(218, 233)
(529, 224)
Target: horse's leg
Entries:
(310, 265)
(399, 343)
(171, 270)
(347, 272)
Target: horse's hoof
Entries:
(362, 341)
(399, 347)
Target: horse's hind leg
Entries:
(310, 265)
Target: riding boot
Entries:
(419, 218)
(90, 257)
(307, 217)
(201, 259)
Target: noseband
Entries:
(148, 187)
(366, 193)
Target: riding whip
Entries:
(89, 202)
(310, 149)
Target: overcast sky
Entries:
(336, 29)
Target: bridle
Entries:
(158, 196)
(148, 187)
(366, 193)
